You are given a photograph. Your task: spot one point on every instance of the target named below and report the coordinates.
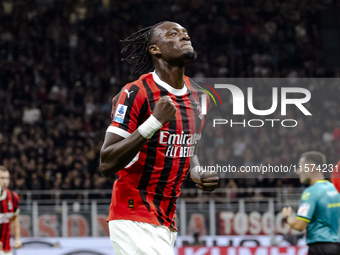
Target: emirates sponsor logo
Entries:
(179, 145)
(178, 139)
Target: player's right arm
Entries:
(297, 223)
(117, 152)
(305, 212)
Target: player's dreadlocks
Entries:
(140, 58)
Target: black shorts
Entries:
(324, 249)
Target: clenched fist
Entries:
(164, 110)
(286, 212)
(208, 180)
(17, 244)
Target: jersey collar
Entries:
(321, 181)
(170, 89)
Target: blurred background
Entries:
(60, 67)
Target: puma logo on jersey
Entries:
(128, 93)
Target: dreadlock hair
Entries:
(140, 58)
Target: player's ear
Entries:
(154, 50)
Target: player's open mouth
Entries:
(186, 45)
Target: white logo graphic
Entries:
(10, 206)
(303, 210)
(332, 193)
(238, 99)
(128, 93)
(199, 111)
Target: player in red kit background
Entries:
(9, 211)
(156, 125)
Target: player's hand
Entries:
(208, 181)
(164, 110)
(286, 212)
(17, 244)
(0, 246)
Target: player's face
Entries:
(304, 172)
(4, 179)
(172, 42)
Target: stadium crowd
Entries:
(60, 66)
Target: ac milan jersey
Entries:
(147, 188)
(9, 202)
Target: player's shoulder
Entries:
(315, 190)
(305, 194)
(192, 85)
(14, 194)
(141, 81)
(330, 187)
(196, 87)
(312, 188)
(324, 185)
(138, 85)
(308, 192)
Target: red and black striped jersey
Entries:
(147, 188)
(9, 206)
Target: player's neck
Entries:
(172, 75)
(314, 180)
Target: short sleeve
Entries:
(307, 206)
(129, 108)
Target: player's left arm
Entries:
(205, 180)
(297, 223)
(16, 223)
(17, 241)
